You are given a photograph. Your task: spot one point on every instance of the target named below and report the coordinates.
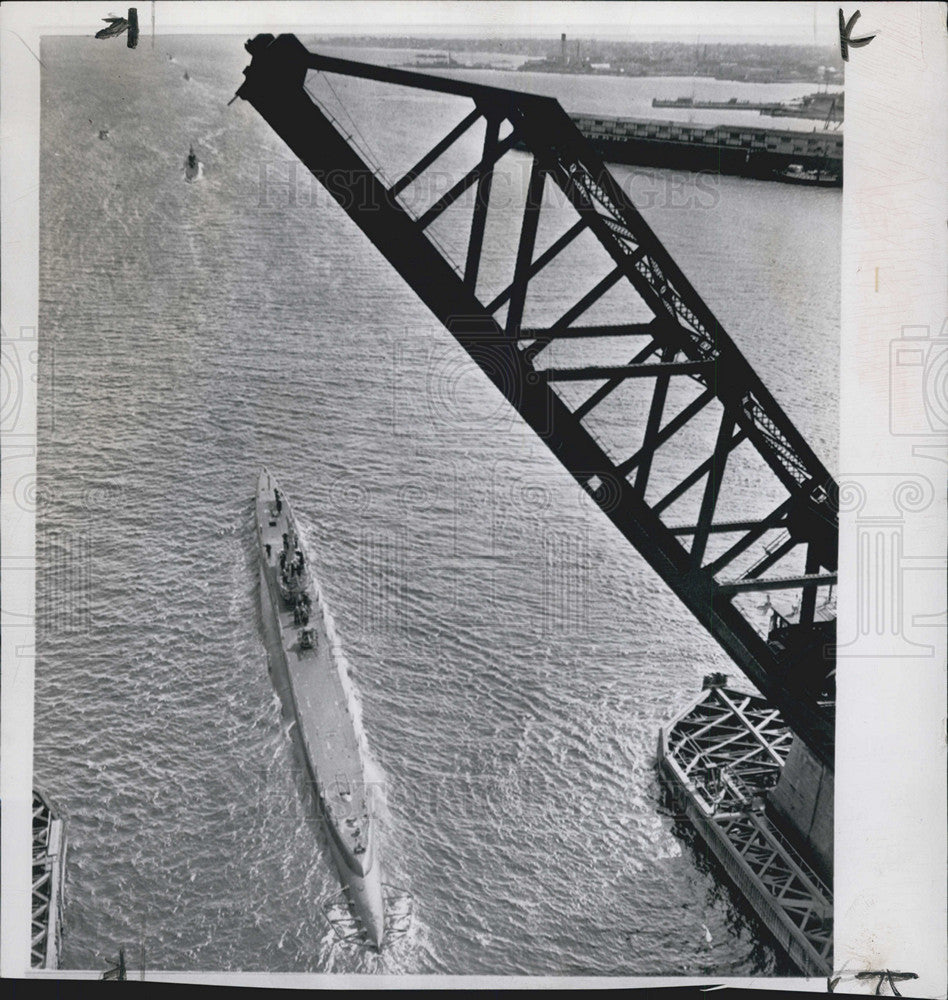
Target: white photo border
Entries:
(890, 854)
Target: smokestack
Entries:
(563, 48)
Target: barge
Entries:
(730, 105)
(821, 106)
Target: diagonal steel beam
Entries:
(551, 251)
(658, 369)
(405, 78)
(422, 165)
(528, 238)
(669, 430)
(590, 298)
(775, 519)
(653, 424)
(475, 242)
(762, 565)
(712, 487)
(471, 177)
(600, 394)
(682, 488)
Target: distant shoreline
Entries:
(737, 62)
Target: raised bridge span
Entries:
(699, 536)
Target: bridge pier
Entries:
(802, 805)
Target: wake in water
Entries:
(402, 929)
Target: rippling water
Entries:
(514, 657)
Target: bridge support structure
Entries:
(692, 373)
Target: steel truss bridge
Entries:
(714, 557)
(49, 850)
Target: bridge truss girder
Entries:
(683, 341)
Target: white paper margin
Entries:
(890, 901)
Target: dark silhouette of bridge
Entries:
(681, 353)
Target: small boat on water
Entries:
(796, 173)
(193, 168)
(302, 644)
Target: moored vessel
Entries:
(302, 639)
(795, 173)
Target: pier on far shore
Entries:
(739, 150)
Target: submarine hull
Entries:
(309, 672)
(365, 898)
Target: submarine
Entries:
(302, 638)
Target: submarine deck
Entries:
(321, 702)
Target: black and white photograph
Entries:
(442, 556)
